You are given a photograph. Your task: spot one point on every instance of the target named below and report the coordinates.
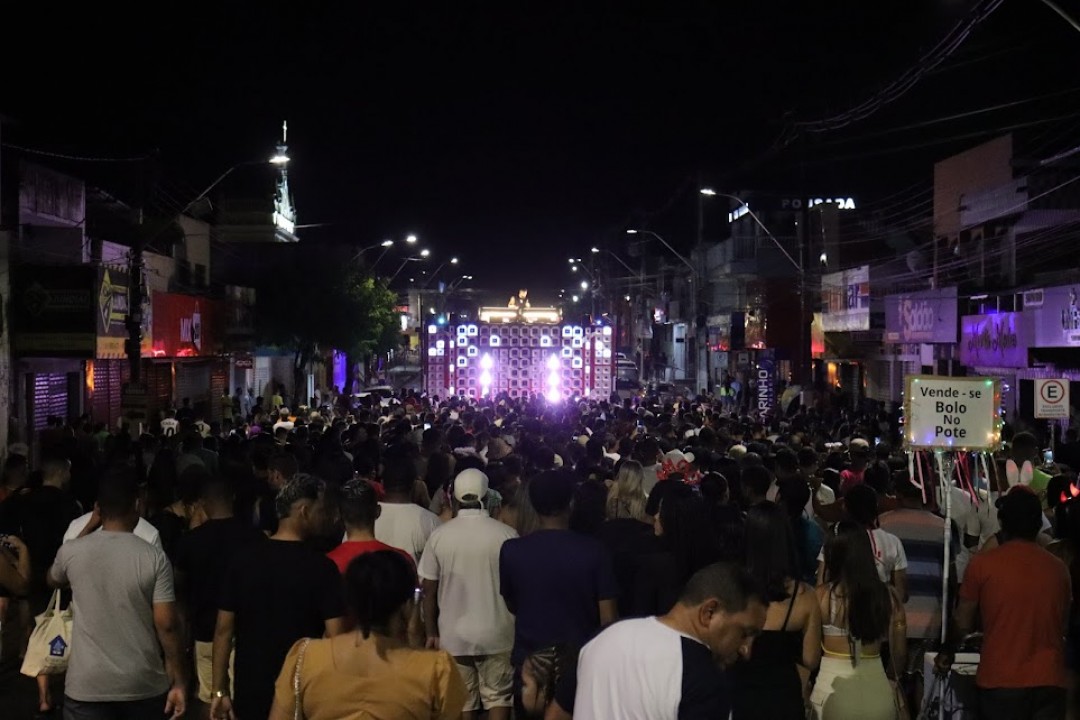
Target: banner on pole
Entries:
(952, 413)
(1052, 399)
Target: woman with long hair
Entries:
(858, 613)
(688, 543)
(370, 673)
(626, 496)
(774, 681)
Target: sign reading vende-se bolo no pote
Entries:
(951, 413)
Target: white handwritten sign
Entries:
(952, 413)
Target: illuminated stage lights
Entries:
(553, 380)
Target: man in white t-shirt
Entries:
(170, 426)
(808, 467)
(464, 612)
(670, 667)
(402, 523)
(284, 421)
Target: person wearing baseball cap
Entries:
(464, 613)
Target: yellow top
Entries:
(374, 679)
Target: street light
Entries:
(406, 261)
(746, 209)
(584, 285)
(804, 354)
(280, 160)
(595, 250)
(667, 245)
(383, 244)
(411, 239)
(424, 253)
(451, 261)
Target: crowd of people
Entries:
(511, 558)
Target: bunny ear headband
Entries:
(1019, 476)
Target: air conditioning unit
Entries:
(1033, 299)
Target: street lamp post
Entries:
(136, 291)
(423, 256)
(451, 261)
(644, 310)
(803, 375)
(387, 244)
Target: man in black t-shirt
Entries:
(274, 594)
(203, 556)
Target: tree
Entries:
(332, 305)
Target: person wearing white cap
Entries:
(464, 613)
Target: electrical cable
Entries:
(78, 158)
(950, 118)
(899, 87)
(1064, 16)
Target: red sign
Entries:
(186, 326)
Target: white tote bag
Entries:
(50, 643)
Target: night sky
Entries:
(514, 134)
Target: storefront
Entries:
(239, 328)
(53, 334)
(186, 360)
(920, 333)
(1053, 318)
(996, 345)
(849, 340)
(111, 368)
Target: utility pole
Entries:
(701, 349)
(136, 292)
(5, 330)
(645, 316)
(134, 399)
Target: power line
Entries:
(1056, 8)
(899, 87)
(77, 158)
(945, 140)
(949, 118)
